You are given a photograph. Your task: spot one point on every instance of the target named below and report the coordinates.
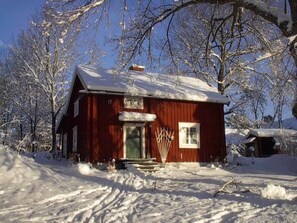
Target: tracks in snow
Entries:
(126, 197)
(93, 203)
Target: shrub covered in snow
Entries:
(41, 156)
(85, 168)
(233, 151)
(289, 145)
(276, 192)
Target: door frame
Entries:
(142, 125)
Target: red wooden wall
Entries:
(212, 131)
(100, 133)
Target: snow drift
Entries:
(57, 191)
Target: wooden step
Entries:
(147, 163)
(137, 160)
(143, 165)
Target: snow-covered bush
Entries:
(42, 157)
(276, 192)
(233, 151)
(288, 144)
(85, 168)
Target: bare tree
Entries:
(55, 53)
(230, 59)
(23, 95)
(281, 91)
(150, 15)
(38, 63)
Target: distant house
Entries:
(112, 115)
(267, 142)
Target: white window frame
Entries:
(74, 139)
(133, 102)
(76, 108)
(188, 125)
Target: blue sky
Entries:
(15, 16)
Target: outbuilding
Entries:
(267, 142)
(117, 115)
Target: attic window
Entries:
(74, 139)
(76, 108)
(133, 102)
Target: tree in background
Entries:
(281, 16)
(36, 67)
(3, 101)
(148, 18)
(229, 59)
(232, 44)
(281, 90)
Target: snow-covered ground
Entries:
(56, 191)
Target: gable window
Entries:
(74, 139)
(189, 135)
(133, 102)
(64, 145)
(76, 108)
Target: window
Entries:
(189, 135)
(64, 145)
(74, 139)
(133, 102)
(76, 108)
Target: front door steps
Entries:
(143, 165)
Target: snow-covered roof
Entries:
(272, 132)
(148, 85)
(249, 140)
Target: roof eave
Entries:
(69, 93)
(149, 95)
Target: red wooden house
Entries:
(112, 115)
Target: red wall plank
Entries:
(100, 133)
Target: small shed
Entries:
(116, 115)
(267, 142)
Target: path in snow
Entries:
(31, 192)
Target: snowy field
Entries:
(56, 191)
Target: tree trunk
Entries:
(293, 49)
(54, 137)
(293, 52)
(32, 133)
(53, 114)
(221, 75)
(294, 109)
(21, 131)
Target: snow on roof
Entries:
(148, 84)
(249, 140)
(272, 132)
